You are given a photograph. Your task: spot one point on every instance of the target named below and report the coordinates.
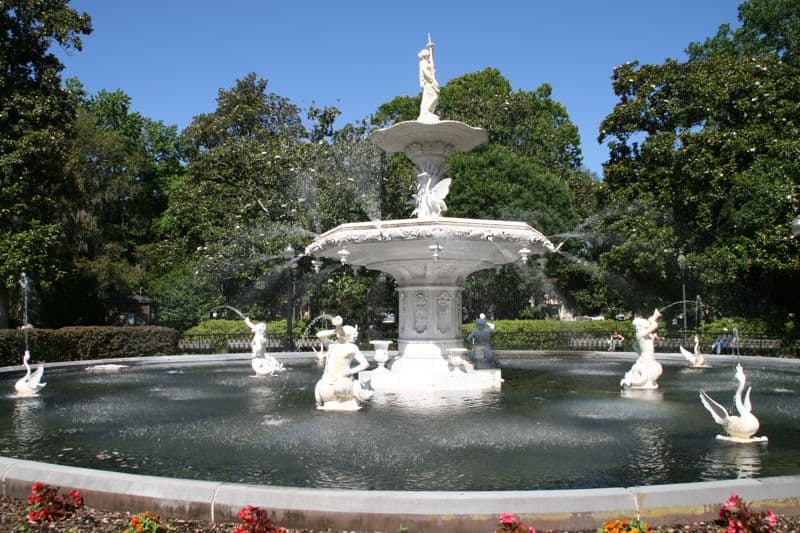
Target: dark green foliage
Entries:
(492, 182)
(35, 123)
(87, 343)
(707, 150)
(550, 334)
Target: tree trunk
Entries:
(4, 307)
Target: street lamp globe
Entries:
(288, 252)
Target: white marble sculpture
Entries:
(429, 199)
(430, 87)
(263, 364)
(696, 359)
(739, 428)
(31, 383)
(646, 370)
(338, 390)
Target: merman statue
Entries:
(263, 364)
(481, 353)
(338, 390)
(646, 370)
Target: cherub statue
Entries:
(430, 198)
(337, 390)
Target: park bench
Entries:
(237, 345)
(589, 344)
(755, 346)
(195, 345)
(671, 344)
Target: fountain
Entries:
(741, 428)
(646, 370)
(337, 390)
(696, 359)
(31, 383)
(263, 364)
(429, 256)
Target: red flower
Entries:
(508, 519)
(772, 520)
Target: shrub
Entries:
(45, 504)
(81, 343)
(735, 514)
(275, 328)
(549, 334)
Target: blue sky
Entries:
(173, 56)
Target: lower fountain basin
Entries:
(556, 423)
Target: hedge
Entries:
(83, 343)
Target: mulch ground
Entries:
(89, 520)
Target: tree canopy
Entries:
(707, 151)
(35, 126)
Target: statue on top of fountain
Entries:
(481, 354)
(430, 87)
(646, 370)
(337, 390)
(263, 364)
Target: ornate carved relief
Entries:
(420, 313)
(443, 321)
(403, 321)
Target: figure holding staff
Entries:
(430, 87)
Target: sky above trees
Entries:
(172, 57)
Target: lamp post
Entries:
(288, 254)
(682, 266)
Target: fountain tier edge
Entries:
(428, 510)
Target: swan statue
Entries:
(696, 359)
(31, 383)
(738, 428)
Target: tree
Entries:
(37, 114)
(121, 162)
(707, 148)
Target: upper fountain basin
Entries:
(460, 137)
(438, 247)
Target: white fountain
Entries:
(646, 370)
(31, 383)
(430, 256)
(696, 359)
(738, 428)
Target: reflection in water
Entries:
(734, 460)
(26, 414)
(421, 401)
(650, 395)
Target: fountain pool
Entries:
(559, 422)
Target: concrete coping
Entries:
(366, 510)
